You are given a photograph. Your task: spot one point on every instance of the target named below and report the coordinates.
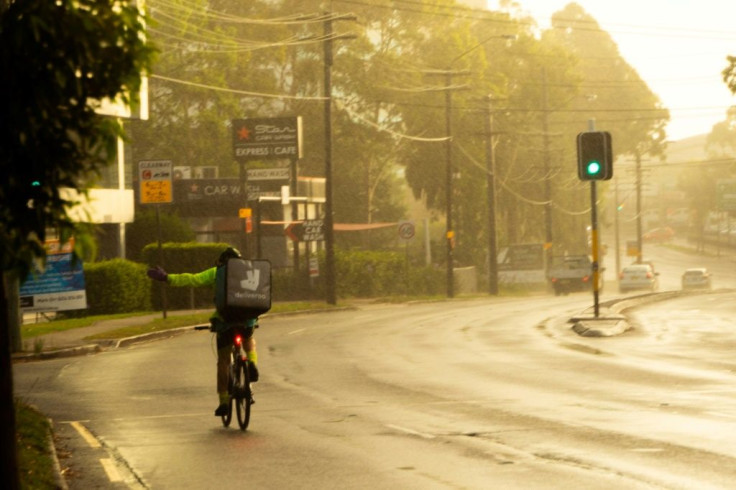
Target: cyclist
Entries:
(224, 333)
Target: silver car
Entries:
(697, 278)
(638, 276)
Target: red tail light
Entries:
(649, 275)
(586, 278)
(238, 340)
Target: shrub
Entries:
(116, 286)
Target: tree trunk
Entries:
(8, 455)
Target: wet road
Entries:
(490, 393)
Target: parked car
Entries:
(659, 235)
(696, 278)
(638, 276)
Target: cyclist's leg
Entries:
(250, 349)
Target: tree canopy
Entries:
(390, 82)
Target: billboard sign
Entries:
(272, 138)
(57, 287)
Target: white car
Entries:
(638, 276)
(697, 278)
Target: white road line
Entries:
(112, 472)
(410, 431)
(86, 435)
(297, 331)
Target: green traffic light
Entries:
(593, 168)
(36, 183)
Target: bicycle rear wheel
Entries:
(241, 388)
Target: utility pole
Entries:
(491, 193)
(330, 281)
(638, 208)
(547, 178)
(449, 232)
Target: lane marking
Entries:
(296, 331)
(410, 431)
(112, 472)
(86, 435)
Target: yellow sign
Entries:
(155, 181)
(245, 213)
(154, 191)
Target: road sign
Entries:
(406, 230)
(313, 230)
(155, 178)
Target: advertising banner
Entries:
(58, 287)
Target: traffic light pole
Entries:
(594, 244)
(594, 235)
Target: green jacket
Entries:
(200, 279)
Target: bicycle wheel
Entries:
(241, 387)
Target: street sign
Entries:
(406, 230)
(154, 177)
(311, 230)
(274, 173)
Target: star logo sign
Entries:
(243, 133)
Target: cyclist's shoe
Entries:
(252, 372)
(222, 410)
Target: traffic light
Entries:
(595, 157)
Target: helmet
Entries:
(229, 253)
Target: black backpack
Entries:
(243, 289)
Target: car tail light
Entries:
(554, 279)
(238, 340)
(586, 278)
(649, 275)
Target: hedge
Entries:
(116, 286)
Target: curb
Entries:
(58, 475)
(616, 322)
(146, 337)
(81, 350)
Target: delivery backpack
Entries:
(243, 289)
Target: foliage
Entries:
(144, 231)
(35, 461)
(391, 84)
(729, 74)
(116, 286)
(50, 136)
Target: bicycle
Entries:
(238, 381)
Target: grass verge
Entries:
(176, 321)
(35, 460)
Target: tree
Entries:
(729, 74)
(144, 230)
(58, 60)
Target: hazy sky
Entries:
(678, 47)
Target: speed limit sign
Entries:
(406, 230)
